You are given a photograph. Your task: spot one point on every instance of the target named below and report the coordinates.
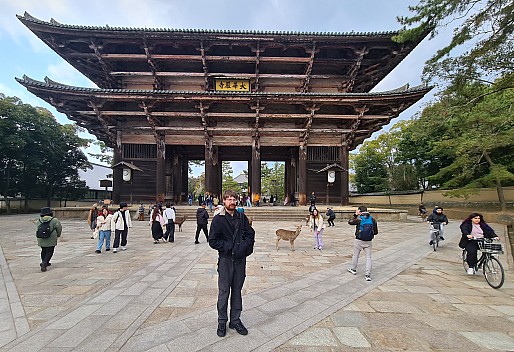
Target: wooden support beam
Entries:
(158, 84)
(308, 71)
(105, 67)
(204, 66)
(348, 84)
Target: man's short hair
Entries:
(362, 208)
(229, 193)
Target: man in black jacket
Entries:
(233, 237)
(202, 218)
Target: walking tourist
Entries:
(91, 220)
(121, 222)
(169, 220)
(202, 219)
(365, 229)
(331, 216)
(157, 223)
(48, 229)
(103, 224)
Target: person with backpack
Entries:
(331, 216)
(365, 229)
(48, 229)
(202, 219)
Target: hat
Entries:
(123, 205)
(363, 208)
(46, 211)
(203, 203)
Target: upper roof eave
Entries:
(28, 19)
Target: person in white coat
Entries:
(121, 222)
(103, 225)
(317, 226)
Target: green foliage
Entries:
(228, 179)
(370, 168)
(272, 179)
(106, 153)
(38, 156)
(484, 28)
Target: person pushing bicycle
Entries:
(437, 218)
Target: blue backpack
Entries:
(366, 232)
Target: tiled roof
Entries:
(53, 23)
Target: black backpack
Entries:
(44, 230)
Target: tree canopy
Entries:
(38, 156)
(482, 43)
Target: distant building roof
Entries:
(242, 178)
(93, 176)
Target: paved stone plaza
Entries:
(162, 297)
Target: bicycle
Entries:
(435, 228)
(492, 268)
(423, 215)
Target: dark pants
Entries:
(46, 254)
(117, 234)
(169, 235)
(231, 277)
(205, 231)
(471, 249)
(331, 221)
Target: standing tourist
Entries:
(103, 224)
(233, 237)
(141, 212)
(169, 220)
(365, 229)
(157, 223)
(91, 219)
(48, 229)
(317, 226)
(202, 219)
(121, 222)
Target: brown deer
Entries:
(288, 235)
(179, 220)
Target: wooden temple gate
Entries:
(166, 97)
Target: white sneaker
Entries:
(352, 271)
(114, 250)
(123, 248)
(471, 271)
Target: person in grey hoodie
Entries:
(48, 244)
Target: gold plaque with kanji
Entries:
(232, 85)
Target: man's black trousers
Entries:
(46, 254)
(169, 235)
(205, 232)
(231, 277)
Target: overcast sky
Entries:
(23, 53)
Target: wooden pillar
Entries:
(211, 165)
(185, 180)
(117, 173)
(345, 190)
(256, 170)
(302, 175)
(160, 167)
(177, 178)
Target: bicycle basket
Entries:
(487, 247)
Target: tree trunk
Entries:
(499, 188)
(6, 189)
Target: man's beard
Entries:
(230, 206)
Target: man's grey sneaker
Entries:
(222, 329)
(240, 328)
(367, 277)
(354, 272)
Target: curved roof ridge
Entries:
(53, 23)
(48, 83)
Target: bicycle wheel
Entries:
(435, 242)
(493, 272)
(464, 262)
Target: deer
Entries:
(288, 235)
